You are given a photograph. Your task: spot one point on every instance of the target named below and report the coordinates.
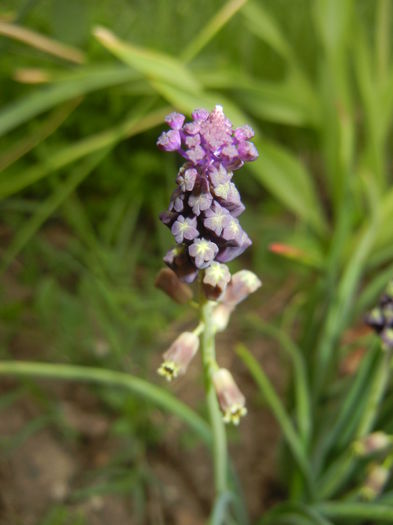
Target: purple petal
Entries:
(175, 120)
(247, 151)
(169, 140)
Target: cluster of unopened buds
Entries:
(203, 218)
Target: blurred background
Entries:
(85, 86)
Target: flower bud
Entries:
(377, 478)
(231, 400)
(215, 280)
(375, 442)
(243, 284)
(169, 283)
(221, 315)
(179, 355)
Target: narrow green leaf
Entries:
(47, 208)
(47, 128)
(46, 97)
(359, 511)
(141, 388)
(153, 64)
(333, 19)
(187, 102)
(208, 32)
(303, 402)
(128, 128)
(275, 404)
(263, 25)
(287, 179)
(293, 514)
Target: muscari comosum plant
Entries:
(202, 217)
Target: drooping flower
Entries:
(215, 280)
(179, 355)
(203, 208)
(232, 401)
(169, 283)
(243, 283)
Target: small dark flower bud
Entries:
(215, 280)
(169, 283)
(375, 318)
(179, 355)
(231, 400)
(242, 284)
(178, 260)
(381, 317)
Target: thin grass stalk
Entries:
(154, 394)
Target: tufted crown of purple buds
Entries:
(203, 210)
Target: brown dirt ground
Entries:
(44, 469)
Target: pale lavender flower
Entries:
(184, 228)
(203, 252)
(200, 202)
(175, 120)
(186, 179)
(169, 140)
(216, 218)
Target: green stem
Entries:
(215, 416)
(139, 387)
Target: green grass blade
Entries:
(275, 404)
(47, 128)
(208, 32)
(293, 514)
(45, 98)
(382, 37)
(262, 24)
(287, 179)
(153, 64)
(356, 511)
(302, 393)
(43, 43)
(128, 128)
(48, 207)
(187, 102)
(141, 388)
(290, 102)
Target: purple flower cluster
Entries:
(381, 317)
(204, 207)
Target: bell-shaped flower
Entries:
(179, 355)
(215, 280)
(231, 400)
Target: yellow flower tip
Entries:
(235, 414)
(169, 370)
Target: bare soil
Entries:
(40, 469)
